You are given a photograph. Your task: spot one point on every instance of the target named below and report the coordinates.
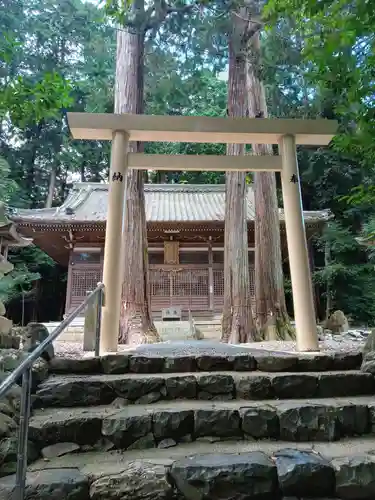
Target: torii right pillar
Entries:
(303, 299)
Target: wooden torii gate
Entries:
(122, 128)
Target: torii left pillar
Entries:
(112, 266)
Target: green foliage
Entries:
(23, 100)
(317, 59)
(8, 187)
(26, 102)
(350, 274)
(368, 238)
(16, 283)
(327, 181)
(133, 13)
(30, 264)
(339, 46)
(361, 195)
(117, 9)
(201, 93)
(334, 64)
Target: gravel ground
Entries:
(342, 343)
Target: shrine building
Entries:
(185, 228)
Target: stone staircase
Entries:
(193, 422)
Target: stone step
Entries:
(114, 461)
(174, 357)
(147, 426)
(210, 335)
(239, 470)
(75, 337)
(88, 390)
(207, 324)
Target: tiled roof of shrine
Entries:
(87, 202)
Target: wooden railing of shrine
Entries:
(194, 287)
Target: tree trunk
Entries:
(33, 136)
(63, 186)
(238, 325)
(136, 325)
(271, 314)
(82, 168)
(51, 188)
(310, 246)
(327, 263)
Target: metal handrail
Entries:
(33, 356)
(25, 370)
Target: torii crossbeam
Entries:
(122, 128)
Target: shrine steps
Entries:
(178, 421)
(97, 463)
(169, 423)
(142, 398)
(344, 470)
(90, 390)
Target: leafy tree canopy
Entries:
(339, 46)
(317, 59)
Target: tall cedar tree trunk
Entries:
(271, 314)
(59, 61)
(33, 135)
(136, 325)
(238, 325)
(51, 187)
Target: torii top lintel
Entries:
(101, 126)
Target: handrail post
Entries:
(99, 305)
(89, 324)
(23, 435)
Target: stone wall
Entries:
(9, 409)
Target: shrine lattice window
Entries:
(190, 282)
(159, 283)
(218, 279)
(84, 281)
